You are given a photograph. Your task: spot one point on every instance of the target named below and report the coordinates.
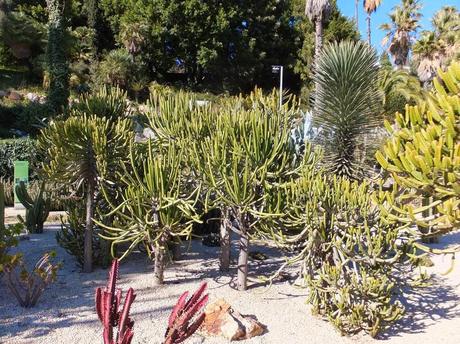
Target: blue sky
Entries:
(429, 7)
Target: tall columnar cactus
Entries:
(37, 209)
(108, 302)
(185, 317)
(422, 158)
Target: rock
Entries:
(222, 320)
(15, 96)
(3, 94)
(32, 97)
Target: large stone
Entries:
(15, 96)
(222, 320)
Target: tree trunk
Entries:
(160, 255)
(318, 48)
(357, 14)
(225, 242)
(176, 251)
(318, 38)
(88, 248)
(369, 29)
(243, 260)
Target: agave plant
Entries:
(348, 104)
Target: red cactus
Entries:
(179, 327)
(107, 306)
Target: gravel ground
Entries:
(65, 313)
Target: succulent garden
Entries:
(163, 159)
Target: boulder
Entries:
(32, 97)
(3, 94)
(222, 320)
(14, 96)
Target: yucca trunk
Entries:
(225, 243)
(88, 248)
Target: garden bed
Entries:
(66, 311)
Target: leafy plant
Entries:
(37, 209)
(71, 236)
(346, 105)
(27, 286)
(7, 234)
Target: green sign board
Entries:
(21, 174)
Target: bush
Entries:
(348, 253)
(18, 149)
(115, 69)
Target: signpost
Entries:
(21, 174)
(279, 69)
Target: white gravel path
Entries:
(65, 313)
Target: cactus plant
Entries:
(7, 234)
(347, 253)
(108, 303)
(179, 326)
(157, 205)
(37, 209)
(422, 159)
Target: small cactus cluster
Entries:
(186, 316)
(179, 326)
(37, 209)
(7, 234)
(108, 301)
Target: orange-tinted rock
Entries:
(222, 320)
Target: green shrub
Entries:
(348, 253)
(115, 69)
(18, 149)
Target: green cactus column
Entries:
(21, 174)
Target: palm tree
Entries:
(370, 6)
(318, 11)
(348, 104)
(401, 30)
(429, 54)
(357, 14)
(435, 49)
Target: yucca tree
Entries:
(81, 150)
(156, 204)
(348, 103)
(400, 31)
(370, 6)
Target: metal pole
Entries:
(281, 86)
